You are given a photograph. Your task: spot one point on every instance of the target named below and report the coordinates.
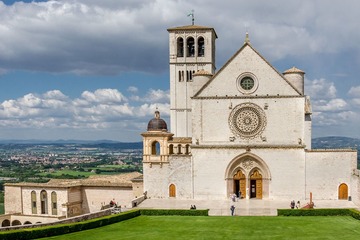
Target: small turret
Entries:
(296, 77)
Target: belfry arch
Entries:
(248, 174)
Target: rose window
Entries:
(247, 120)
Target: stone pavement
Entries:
(243, 207)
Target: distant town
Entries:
(39, 162)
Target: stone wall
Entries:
(12, 200)
(326, 170)
(96, 197)
(51, 223)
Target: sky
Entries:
(93, 70)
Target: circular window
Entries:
(247, 120)
(247, 83)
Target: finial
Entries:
(192, 17)
(157, 114)
(247, 39)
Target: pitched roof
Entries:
(119, 180)
(246, 43)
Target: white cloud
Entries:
(111, 36)
(102, 109)
(320, 89)
(330, 106)
(132, 89)
(354, 91)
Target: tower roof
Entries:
(157, 124)
(191, 27)
(294, 70)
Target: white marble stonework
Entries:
(247, 128)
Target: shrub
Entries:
(32, 233)
(315, 212)
(174, 212)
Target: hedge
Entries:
(32, 233)
(174, 212)
(59, 229)
(320, 212)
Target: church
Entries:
(244, 129)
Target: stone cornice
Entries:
(246, 97)
(248, 147)
(332, 150)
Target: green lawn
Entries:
(67, 172)
(184, 227)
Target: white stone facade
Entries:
(250, 133)
(63, 198)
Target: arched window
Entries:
(43, 200)
(179, 149)
(171, 149)
(201, 47)
(33, 203)
(53, 203)
(180, 47)
(155, 148)
(190, 45)
(187, 149)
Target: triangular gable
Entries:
(230, 73)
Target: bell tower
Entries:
(192, 48)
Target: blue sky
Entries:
(89, 69)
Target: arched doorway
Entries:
(172, 190)
(239, 184)
(256, 185)
(343, 192)
(255, 170)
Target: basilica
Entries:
(244, 129)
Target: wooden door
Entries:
(343, 191)
(172, 190)
(240, 184)
(256, 179)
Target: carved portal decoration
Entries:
(247, 120)
(248, 164)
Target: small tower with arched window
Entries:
(192, 48)
(155, 141)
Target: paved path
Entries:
(243, 207)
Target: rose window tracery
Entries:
(247, 120)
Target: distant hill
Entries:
(335, 142)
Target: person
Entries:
(292, 204)
(191, 207)
(194, 207)
(239, 194)
(298, 205)
(232, 209)
(233, 197)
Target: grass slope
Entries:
(175, 227)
